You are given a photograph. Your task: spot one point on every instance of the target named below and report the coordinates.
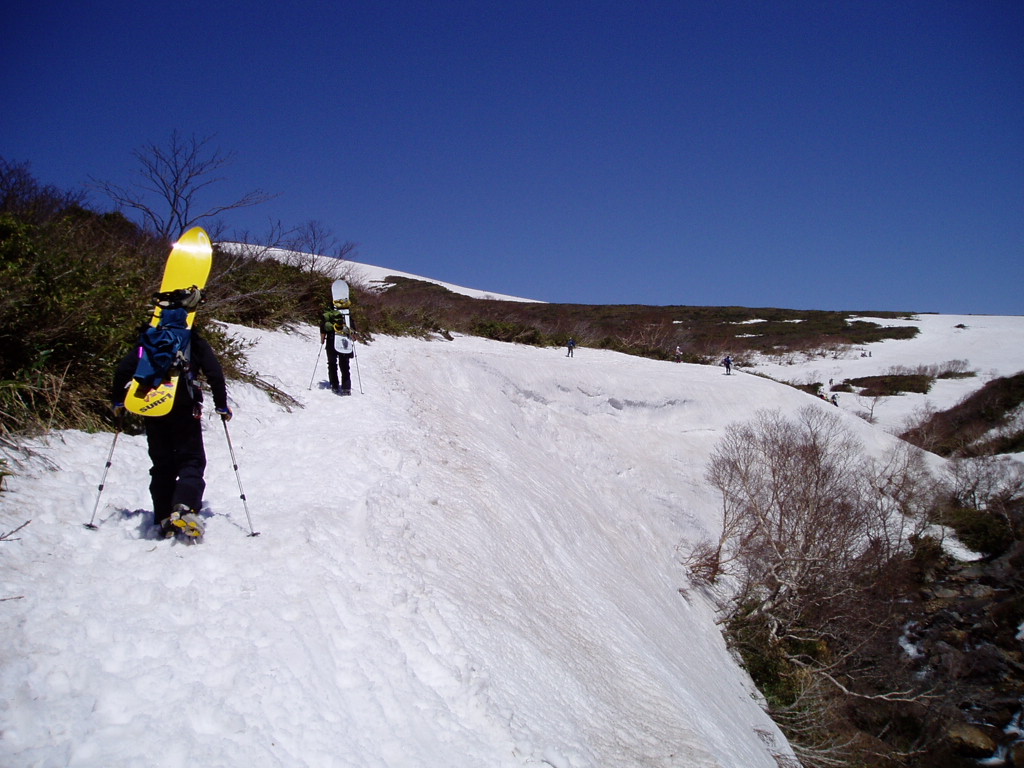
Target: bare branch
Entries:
(9, 535)
(907, 695)
(171, 180)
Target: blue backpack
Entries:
(164, 349)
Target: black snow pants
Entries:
(179, 459)
(337, 360)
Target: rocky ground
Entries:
(966, 636)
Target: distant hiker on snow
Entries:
(571, 346)
(727, 362)
(340, 349)
(176, 440)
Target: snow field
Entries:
(471, 564)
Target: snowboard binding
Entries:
(184, 298)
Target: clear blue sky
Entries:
(847, 154)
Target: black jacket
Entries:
(201, 360)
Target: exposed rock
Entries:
(964, 632)
(1016, 754)
(972, 740)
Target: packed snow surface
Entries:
(472, 561)
(989, 345)
(377, 277)
(357, 273)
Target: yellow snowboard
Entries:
(187, 266)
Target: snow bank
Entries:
(471, 564)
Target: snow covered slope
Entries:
(991, 346)
(368, 275)
(373, 276)
(472, 564)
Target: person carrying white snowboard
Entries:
(337, 336)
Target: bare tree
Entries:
(658, 335)
(804, 509)
(868, 404)
(990, 484)
(815, 538)
(170, 182)
(23, 195)
(314, 248)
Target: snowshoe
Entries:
(187, 522)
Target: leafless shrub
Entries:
(983, 422)
(992, 484)
(975, 482)
(801, 504)
(948, 369)
(922, 424)
(814, 534)
(703, 561)
(868, 405)
(650, 336)
(9, 535)
(314, 248)
(171, 181)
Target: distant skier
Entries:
(340, 350)
(727, 362)
(679, 355)
(570, 347)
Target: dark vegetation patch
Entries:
(979, 530)
(881, 386)
(704, 334)
(76, 292)
(959, 430)
(900, 379)
(811, 388)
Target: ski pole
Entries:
(238, 478)
(359, 376)
(316, 366)
(91, 525)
